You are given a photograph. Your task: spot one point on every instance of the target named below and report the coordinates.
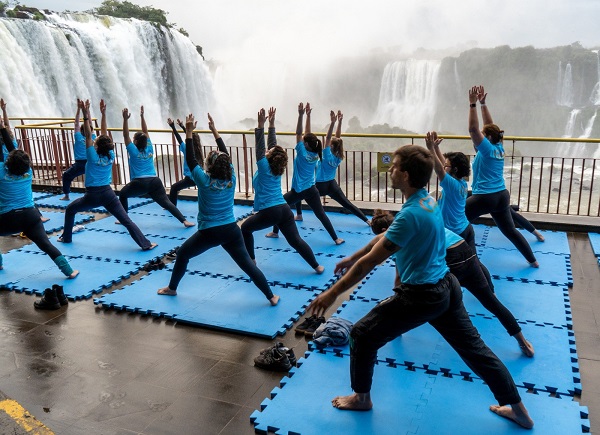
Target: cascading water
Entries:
(565, 96)
(407, 97)
(570, 127)
(46, 65)
(595, 97)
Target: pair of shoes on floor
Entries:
(171, 255)
(310, 325)
(276, 358)
(78, 228)
(154, 265)
(53, 299)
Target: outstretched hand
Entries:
(80, 104)
(102, 107)
(473, 92)
(126, 113)
(321, 303)
(332, 116)
(262, 117)
(481, 95)
(342, 266)
(87, 109)
(2, 104)
(142, 111)
(211, 123)
(308, 109)
(190, 124)
(300, 108)
(180, 123)
(272, 111)
(170, 122)
(340, 116)
(432, 140)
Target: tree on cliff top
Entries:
(125, 9)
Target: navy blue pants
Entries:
(70, 174)
(152, 186)
(332, 188)
(27, 220)
(180, 185)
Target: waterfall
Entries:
(595, 97)
(46, 65)
(565, 87)
(589, 126)
(570, 127)
(408, 92)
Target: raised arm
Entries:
(211, 126)
(330, 130)
(259, 135)
(6, 138)
(181, 124)
(272, 138)
(299, 124)
(87, 123)
(175, 132)
(76, 124)
(432, 142)
(474, 132)
(103, 128)
(485, 113)
(338, 132)
(144, 126)
(5, 119)
(126, 137)
(190, 158)
(307, 129)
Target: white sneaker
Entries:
(78, 228)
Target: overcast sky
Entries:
(312, 29)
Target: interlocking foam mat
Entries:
(163, 225)
(595, 241)
(54, 201)
(340, 221)
(95, 276)
(190, 210)
(556, 242)
(553, 369)
(404, 402)
(555, 269)
(213, 301)
(57, 220)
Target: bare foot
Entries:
(534, 264)
(166, 291)
(73, 275)
(152, 246)
(44, 219)
(516, 413)
(539, 236)
(353, 402)
(298, 218)
(274, 300)
(319, 269)
(339, 241)
(272, 235)
(65, 198)
(188, 224)
(527, 349)
(117, 223)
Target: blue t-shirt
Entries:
(452, 202)
(15, 191)
(327, 167)
(98, 169)
(418, 229)
(452, 238)
(488, 168)
(267, 187)
(304, 168)
(141, 163)
(79, 146)
(186, 168)
(5, 150)
(215, 199)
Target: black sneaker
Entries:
(301, 328)
(274, 359)
(310, 330)
(281, 347)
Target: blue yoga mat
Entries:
(556, 241)
(55, 202)
(554, 368)
(41, 195)
(340, 221)
(554, 269)
(190, 210)
(595, 241)
(166, 226)
(481, 232)
(404, 402)
(94, 276)
(57, 220)
(213, 302)
(18, 266)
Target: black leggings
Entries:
(180, 185)
(152, 186)
(441, 306)
(333, 189)
(521, 220)
(313, 199)
(229, 236)
(498, 205)
(467, 268)
(282, 216)
(469, 236)
(27, 220)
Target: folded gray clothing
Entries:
(334, 332)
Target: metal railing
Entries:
(537, 183)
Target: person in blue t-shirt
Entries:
(186, 182)
(98, 176)
(142, 172)
(489, 191)
(17, 211)
(308, 152)
(466, 267)
(216, 223)
(78, 167)
(333, 154)
(428, 293)
(269, 206)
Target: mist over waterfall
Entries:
(408, 94)
(46, 65)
